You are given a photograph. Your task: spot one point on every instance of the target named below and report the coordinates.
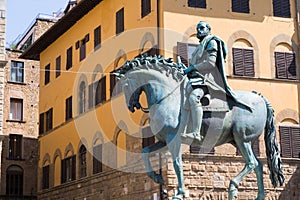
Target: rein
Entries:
(146, 110)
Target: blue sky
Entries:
(20, 13)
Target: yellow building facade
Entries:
(82, 111)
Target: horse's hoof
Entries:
(232, 193)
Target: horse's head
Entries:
(130, 88)
(155, 75)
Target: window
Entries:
(197, 3)
(97, 159)
(68, 169)
(101, 91)
(97, 38)
(115, 88)
(15, 147)
(120, 21)
(148, 137)
(243, 62)
(289, 141)
(185, 51)
(82, 47)
(58, 68)
(46, 121)
(69, 108)
(82, 161)
(49, 119)
(285, 65)
(45, 181)
(42, 123)
(281, 8)
(17, 71)
(146, 7)
(69, 58)
(14, 181)
(16, 109)
(82, 97)
(47, 74)
(241, 6)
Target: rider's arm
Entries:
(210, 61)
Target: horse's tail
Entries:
(272, 150)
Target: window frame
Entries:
(286, 57)
(145, 8)
(289, 141)
(16, 110)
(100, 91)
(240, 6)
(47, 74)
(97, 158)
(120, 23)
(243, 62)
(68, 169)
(69, 58)
(46, 176)
(17, 70)
(197, 4)
(281, 9)
(68, 113)
(82, 161)
(14, 181)
(97, 38)
(58, 66)
(15, 147)
(82, 97)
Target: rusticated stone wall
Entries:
(206, 178)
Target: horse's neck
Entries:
(156, 85)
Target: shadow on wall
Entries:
(292, 187)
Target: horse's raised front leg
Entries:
(174, 145)
(157, 178)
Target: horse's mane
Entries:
(158, 63)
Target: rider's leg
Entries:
(196, 113)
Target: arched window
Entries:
(243, 58)
(285, 62)
(82, 97)
(82, 160)
(14, 181)
(121, 149)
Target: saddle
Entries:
(215, 103)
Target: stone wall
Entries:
(28, 163)
(28, 91)
(206, 178)
(41, 27)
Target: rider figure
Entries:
(206, 72)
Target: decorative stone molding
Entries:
(241, 34)
(69, 148)
(281, 39)
(287, 114)
(148, 37)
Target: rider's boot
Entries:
(197, 115)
